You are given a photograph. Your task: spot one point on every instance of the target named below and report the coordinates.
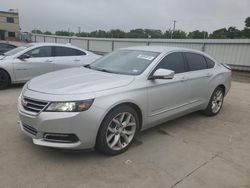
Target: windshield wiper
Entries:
(103, 70)
(87, 66)
(98, 69)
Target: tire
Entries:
(215, 102)
(118, 130)
(4, 79)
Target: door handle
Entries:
(76, 59)
(48, 61)
(183, 79)
(209, 75)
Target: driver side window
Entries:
(174, 62)
(44, 51)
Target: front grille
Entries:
(29, 129)
(60, 138)
(34, 106)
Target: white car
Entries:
(25, 62)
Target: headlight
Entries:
(25, 87)
(77, 106)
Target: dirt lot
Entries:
(193, 151)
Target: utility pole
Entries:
(174, 24)
(69, 31)
(173, 28)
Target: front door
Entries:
(40, 61)
(167, 97)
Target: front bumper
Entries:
(84, 125)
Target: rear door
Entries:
(40, 62)
(66, 57)
(167, 97)
(198, 77)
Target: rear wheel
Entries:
(215, 103)
(4, 79)
(117, 130)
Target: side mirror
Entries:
(24, 56)
(162, 74)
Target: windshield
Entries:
(17, 50)
(129, 62)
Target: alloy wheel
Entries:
(217, 101)
(121, 131)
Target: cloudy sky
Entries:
(92, 15)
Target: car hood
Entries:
(77, 81)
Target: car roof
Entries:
(8, 44)
(52, 44)
(161, 49)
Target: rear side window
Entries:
(174, 62)
(64, 51)
(195, 61)
(78, 52)
(210, 63)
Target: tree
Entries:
(36, 31)
(93, 34)
(223, 33)
(153, 33)
(245, 33)
(102, 34)
(137, 33)
(82, 34)
(179, 34)
(167, 34)
(197, 34)
(47, 33)
(232, 33)
(219, 34)
(116, 33)
(247, 22)
(64, 33)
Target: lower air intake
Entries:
(60, 138)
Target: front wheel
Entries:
(117, 130)
(4, 80)
(215, 103)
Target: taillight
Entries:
(226, 66)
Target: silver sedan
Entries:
(25, 62)
(105, 104)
